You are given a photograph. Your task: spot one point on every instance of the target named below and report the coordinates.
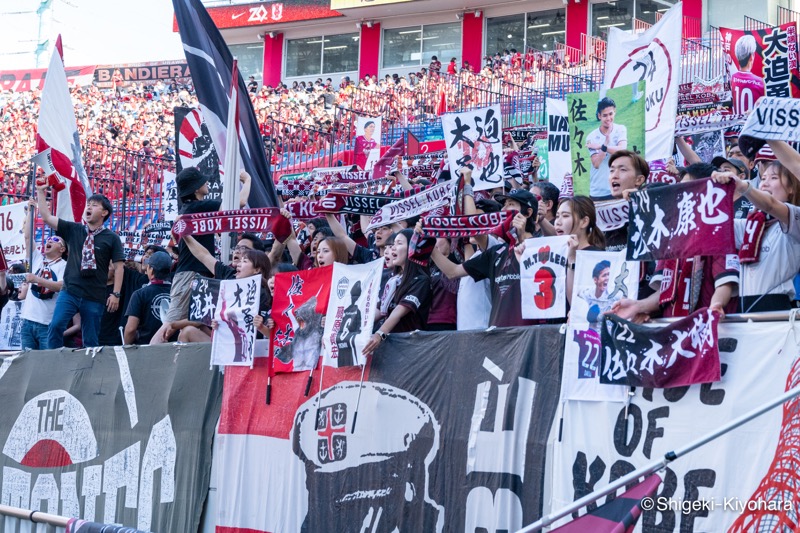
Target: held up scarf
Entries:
(756, 225)
(462, 226)
(257, 220)
(88, 259)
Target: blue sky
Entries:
(93, 32)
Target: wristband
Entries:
(604, 148)
(749, 188)
(382, 335)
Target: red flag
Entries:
(383, 164)
(617, 516)
(301, 301)
(57, 129)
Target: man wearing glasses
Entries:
(45, 283)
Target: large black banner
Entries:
(194, 148)
(450, 435)
(119, 436)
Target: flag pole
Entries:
(31, 215)
(231, 164)
(661, 463)
(358, 401)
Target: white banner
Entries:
(601, 279)
(169, 200)
(774, 119)
(351, 312)
(423, 202)
(653, 56)
(599, 444)
(367, 148)
(12, 217)
(612, 214)
(558, 147)
(237, 306)
(543, 277)
(474, 140)
(11, 326)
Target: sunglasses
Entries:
(55, 240)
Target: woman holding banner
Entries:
(577, 218)
(768, 254)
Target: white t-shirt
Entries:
(779, 259)
(474, 299)
(34, 308)
(598, 177)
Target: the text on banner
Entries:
(474, 140)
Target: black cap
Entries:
(738, 163)
(525, 198)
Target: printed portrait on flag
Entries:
(543, 277)
(474, 140)
(351, 312)
(761, 63)
(681, 220)
(601, 279)
(367, 148)
(600, 124)
(237, 305)
(300, 302)
(11, 326)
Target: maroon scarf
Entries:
(757, 223)
(259, 220)
(462, 226)
(88, 259)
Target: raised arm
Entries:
(761, 200)
(787, 156)
(689, 155)
(244, 193)
(339, 231)
(201, 253)
(44, 210)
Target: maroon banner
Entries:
(260, 13)
(30, 79)
(683, 353)
(462, 226)
(355, 204)
(681, 220)
(141, 72)
(260, 220)
(761, 63)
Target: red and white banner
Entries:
(57, 129)
(300, 303)
(543, 277)
(655, 57)
(474, 140)
(31, 79)
(351, 312)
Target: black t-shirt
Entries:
(617, 239)
(107, 248)
(363, 255)
(417, 297)
(109, 334)
(132, 281)
(223, 271)
(499, 265)
(187, 262)
(146, 304)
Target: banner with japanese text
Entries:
(761, 63)
(11, 326)
(474, 140)
(710, 488)
(652, 56)
(12, 217)
(238, 303)
(682, 220)
(600, 125)
(169, 199)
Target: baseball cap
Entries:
(740, 166)
(160, 262)
(765, 154)
(522, 196)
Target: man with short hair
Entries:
(94, 249)
(603, 143)
(145, 309)
(627, 171)
(45, 284)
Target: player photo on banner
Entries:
(351, 311)
(543, 277)
(600, 125)
(367, 149)
(601, 279)
(761, 63)
(233, 341)
(474, 140)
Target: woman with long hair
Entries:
(331, 250)
(410, 303)
(768, 240)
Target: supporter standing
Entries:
(85, 275)
(145, 309)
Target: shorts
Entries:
(180, 296)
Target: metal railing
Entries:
(297, 148)
(754, 24)
(786, 15)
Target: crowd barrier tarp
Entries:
(596, 447)
(450, 435)
(120, 436)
